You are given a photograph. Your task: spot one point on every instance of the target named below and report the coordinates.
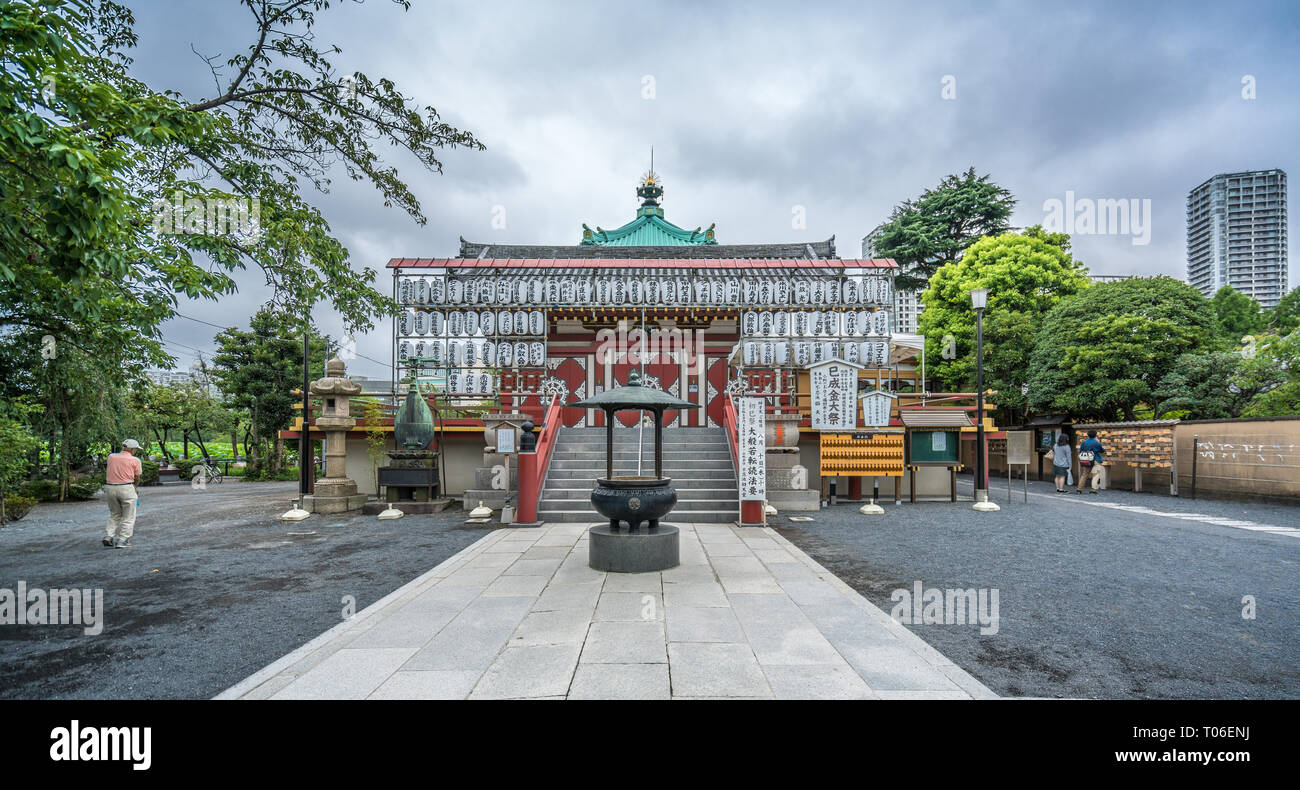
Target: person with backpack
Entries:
(1061, 461)
(1090, 459)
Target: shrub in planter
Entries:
(186, 467)
(17, 506)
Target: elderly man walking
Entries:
(121, 478)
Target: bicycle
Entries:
(210, 471)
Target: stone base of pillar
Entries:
(793, 500)
(335, 487)
(333, 504)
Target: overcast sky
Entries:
(760, 113)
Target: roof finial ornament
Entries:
(650, 190)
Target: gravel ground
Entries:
(213, 588)
(1094, 602)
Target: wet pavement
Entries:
(1114, 595)
(214, 587)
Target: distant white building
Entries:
(194, 374)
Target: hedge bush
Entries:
(186, 467)
(40, 490)
(17, 506)
(87, 487)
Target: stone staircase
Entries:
(697, 459)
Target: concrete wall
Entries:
(1249, 458)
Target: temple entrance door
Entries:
(662, 370)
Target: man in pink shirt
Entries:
(121, 478)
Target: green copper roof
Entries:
(649, 229)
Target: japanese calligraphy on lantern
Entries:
(834, 385)
(876, 406)
(753, 455)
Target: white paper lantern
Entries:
(537, 322)
(521, 353)
(419, 322)
(750, 290)
(537, 354)
(437, 323)
(505, 323)
(521, 323)
(749, 323)
(437, 290)
(455, 292)
(505, 354)
(403, 351)
(422, 291)
(404, 323)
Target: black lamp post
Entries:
(979, 300)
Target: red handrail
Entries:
(532, 466)
(732, 423)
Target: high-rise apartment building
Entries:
(1236, 235)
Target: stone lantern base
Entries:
(334, 495)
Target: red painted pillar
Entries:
(526, 512)
(751, 514)
(855, 488)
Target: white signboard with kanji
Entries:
(834, 385)
(753, 454)
(876, 406)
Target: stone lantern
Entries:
(335, 492)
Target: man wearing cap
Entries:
(121, 478)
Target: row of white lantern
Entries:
(648, 290)
(850, 323)
(470, 323)
(873, 353)
(474, 353)
(470, 383)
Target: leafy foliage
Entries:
(1284, 317)
(1026, 274)
(1238, 314)
(258, 370)
(934, 229)
(1101, 353)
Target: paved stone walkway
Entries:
(520, 615)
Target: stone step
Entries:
(722, 494)
(630, 452)
(683, 463)
(592, 517)
(675, 474)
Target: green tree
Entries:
(1027, 274)
(1276, 357)
(258, 370)
(1103, 352)
(1284, 317)
(1238, 314)
(93, 162)
(926, 233)
(1213, 385)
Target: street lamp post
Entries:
(979, 300)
